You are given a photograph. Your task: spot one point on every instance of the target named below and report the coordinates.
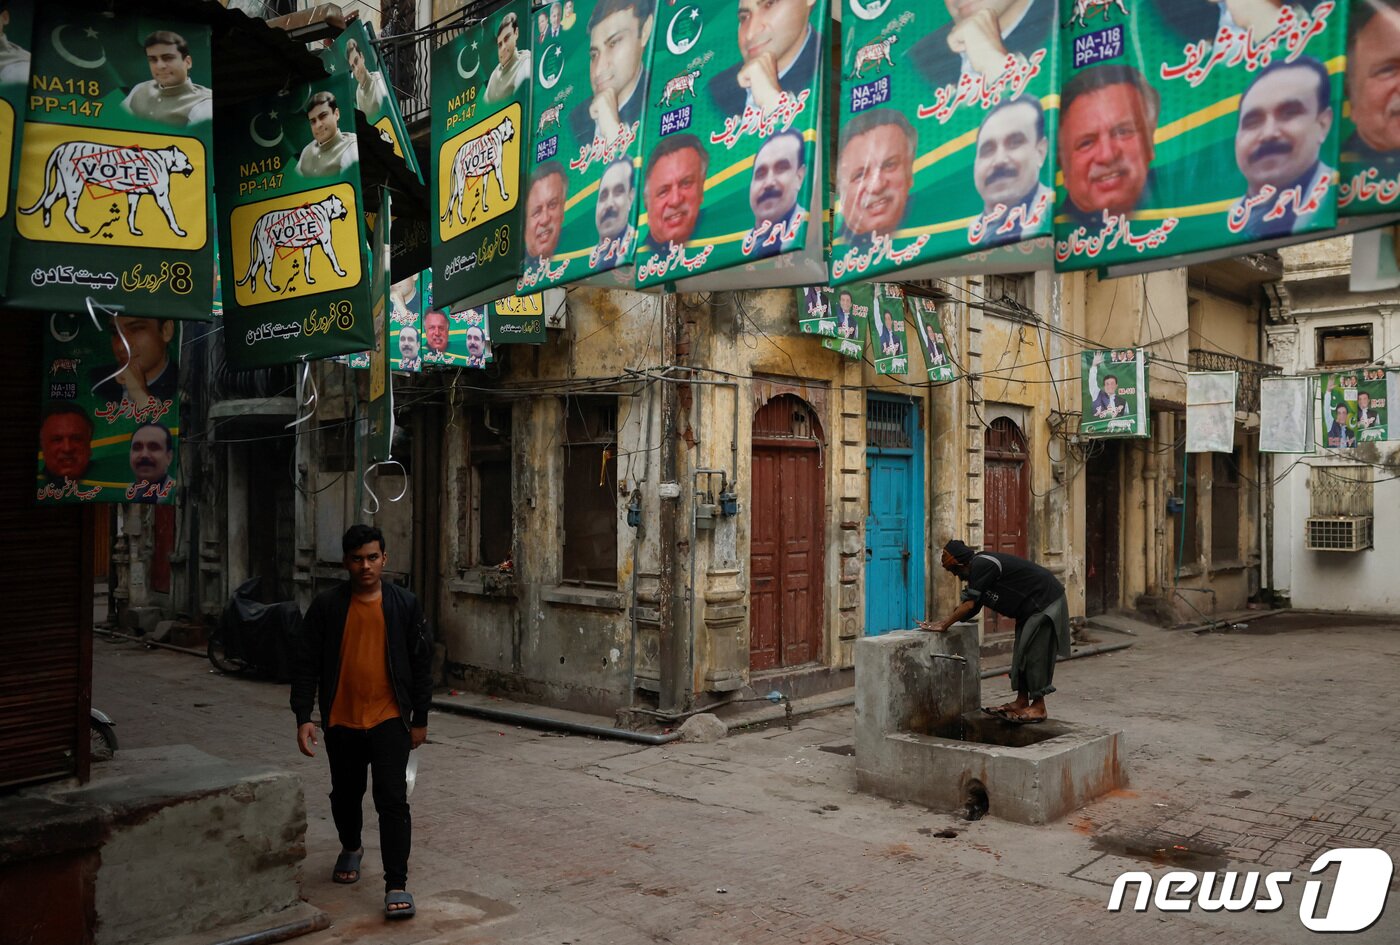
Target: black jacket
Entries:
(410, 655)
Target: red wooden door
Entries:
(1006, 501)
(1101, 530)
(787, 548)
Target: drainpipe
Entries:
(1149, 517)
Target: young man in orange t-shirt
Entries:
(368, 653)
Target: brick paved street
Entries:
(1251, 748)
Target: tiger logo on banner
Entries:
(291, 236)
(116, 179)
(480, 166)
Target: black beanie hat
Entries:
(960, 552)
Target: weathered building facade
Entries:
(1318, 324)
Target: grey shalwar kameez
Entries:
(1035, 599)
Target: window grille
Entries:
(1341, 490)
(889, 424)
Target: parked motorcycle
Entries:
(254, 636)
(102, 735)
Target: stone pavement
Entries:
(1259, 748)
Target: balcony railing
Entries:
(1247, 392)
(406, 57)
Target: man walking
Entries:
(1023, 590)
(368, 654)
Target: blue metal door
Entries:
(894, 596)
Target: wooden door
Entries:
(787, 545)
(1006, 501)
(1101, 529)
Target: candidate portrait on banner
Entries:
(1285, 117)
(874, 173)
(1010, 154)
(779, 170)
(1108, 119)
(780, 52)
(981, 37)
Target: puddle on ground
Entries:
(986, 730)
(1159, 851)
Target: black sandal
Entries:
(398, 897)
(347, 863)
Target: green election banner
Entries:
(380, 432)
(591, 86)
(15, 42)
(1353, 407)
(111, 410)
(518, 320)
(354, 53)
(1185, 130)
(948, 114)
(854, 307)
(929, 325)
(730, 131)
(814, 316)
(292, 228)
(113, 193)
(469, 343)
(1114, 392)
(1371, 126)
(406, 325)
(480, 134)
(891, 345)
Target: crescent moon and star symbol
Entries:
(869, 12)
(475, 69)
(259, 139)
(553, 55)
(57, 39)
(66, 334)
(681, 47)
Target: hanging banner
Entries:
(354, 54)
(518, 320)
(887, 330)
(1183, 129)
(15, 41)
(948, 115)
(113, 196)
(1285, 414)
(435, 325)
(470, 344)
(580, 206)
(406, 325)
(814, 312)
(1371, 126)
(731, 123)
(1210, 411)
(293, 228)
(480, 133)
(929, 324)
(1354, 407)
(111, 410)
(1114, 393)
(855, 306)
(380, 431)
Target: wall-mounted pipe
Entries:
(553, 724)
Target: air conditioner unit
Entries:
(1339, 533)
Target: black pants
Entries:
(384, 751)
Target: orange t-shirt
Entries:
(364, 697)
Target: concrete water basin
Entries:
(921, 737)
